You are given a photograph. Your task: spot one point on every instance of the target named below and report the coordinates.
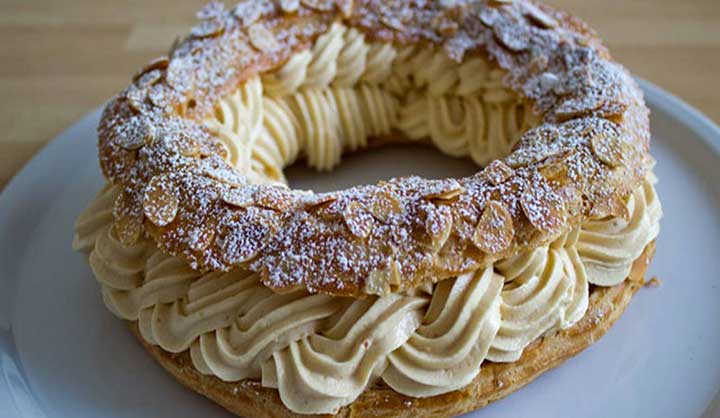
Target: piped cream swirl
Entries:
(609, 246)
(323, 97)
(546, 289)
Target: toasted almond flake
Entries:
(276, 198)
(212, 10)
(346, 8)
(243, 241)
(158, 95)
(446, 26)
(248, 11)
(447, 4)
(494, 231)
(539, 63)
(358, 220)
(497, 172)
(548, 81)
(221, 150)
(261, 38)
(180, 75)
(208, 28)
(160, 202)
(201, 238)
(188, 146)
(313, 201)
(514, 38)
(241, 197)
(135, 134)
(381, 281)
(128, 225)
(443, 190)
(128, 229)
(538, 17)
(386, 204)
(159, 63)
(607, 148)
(392, 22)
(495, 3)
(542, 206)
(319, 5)
(216, 168)
(438, 224)
(149, 78)
(575, 107)
(289, 6)
(136, 98)
(488, 16)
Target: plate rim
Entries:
(660, 100)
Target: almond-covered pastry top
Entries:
(588, 153)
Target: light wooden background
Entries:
(59, 59)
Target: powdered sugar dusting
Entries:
(150, 140)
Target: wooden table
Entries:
(60, 59)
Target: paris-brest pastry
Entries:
(410, 297)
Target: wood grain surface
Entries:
(60, 59)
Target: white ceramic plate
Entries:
(62, 354)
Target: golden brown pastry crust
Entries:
(495, 381)
(590, 151)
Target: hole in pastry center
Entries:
(381, 163)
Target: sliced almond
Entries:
(180, 75)
(386, 204)
(128, 226)
(262, 39)
(497, 172)
(216, 168)
(208, 28)
(158, 95)
(136, 98)
(578, 106)
(513, 37)
(244, 240)
(496, 3)
(134, 134)
(358, 219)
(289, 6)
(149, 78)
(187, 146)
(160, 201)
(248, 11)
(159, 63)
(241, 197)
(538, 63)
(555, 167)
(438, 224)
(381, 281)
(273, 197)
(392, 22)
(201, 238)
(211, 10)
(442, 189)
(346, 8)
(538, 17)
(542, 206)
(128, 230)
(494, 231)
(607, 148)
(313, 201)
(320, 5)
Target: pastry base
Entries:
(495, 381)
